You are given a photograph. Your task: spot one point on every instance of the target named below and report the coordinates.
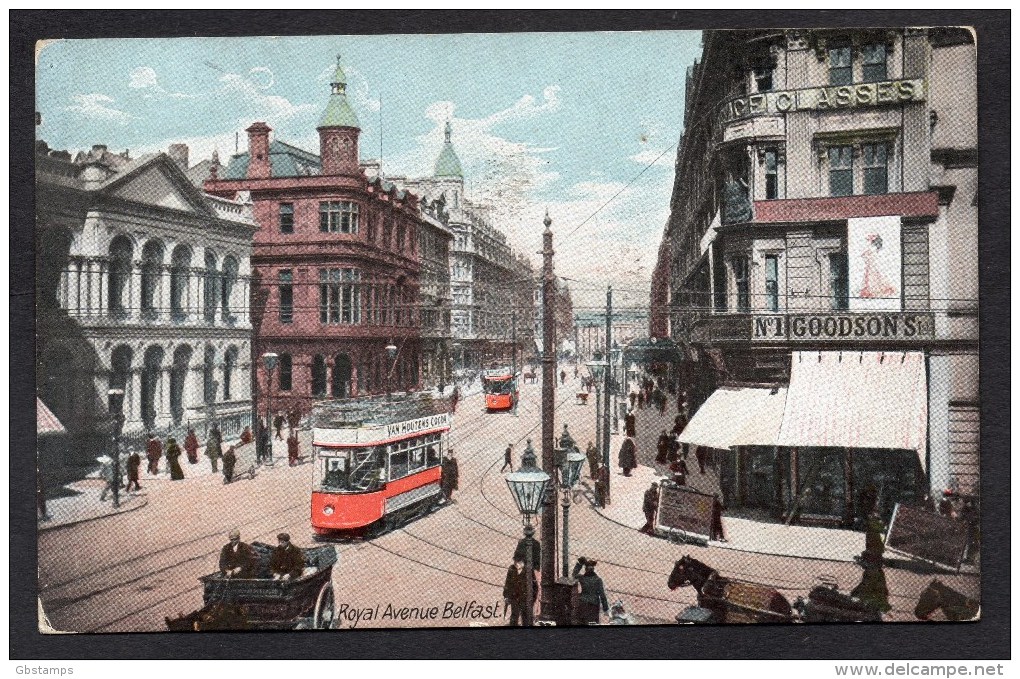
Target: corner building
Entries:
(336, 264)
(820, 262)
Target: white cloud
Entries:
(95, 106)
(250, 92)
(144, 78)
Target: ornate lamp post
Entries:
(269, 360)
(391, 353)
(527, 485)
(597, 370)
(116, 403)
(614, 355)
(570, 472)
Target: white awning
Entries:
(737, 416)
(857, 400)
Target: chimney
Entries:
(179, 154)
(258, 151)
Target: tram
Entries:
(500, 387)
(378, 462)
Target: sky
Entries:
(557, 121)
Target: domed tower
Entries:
(448, 174)
(339, 130)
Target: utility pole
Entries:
(515, 389)
(549, 540)
(604, 424)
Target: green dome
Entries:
(448, 164)
(338, 111)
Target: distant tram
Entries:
(377, 462)
(500, 388)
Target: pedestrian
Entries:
(672, 449)
(563, 377)
(191, 446)
(454, 397)
(717, 527)
(593, 460)
(649, 506)
(246, 436)
(286, 562)
(575, 371)
(660, 400)
(515, 591)
(292, 449)
(602, 487)
(700, 454)
(106, 474)
(173, 459)
(662, 448)
(628, 456)
(641, 400)
(872, 591)
(134, 465)
(449, 477)
(508, 460)
(278, 426)
(678, 468)
(229, 461)
(873, 543)
(633, 399)
(630, 423)
(237, 560)
(679, 424)
(593, 592)
(294, 419)
(265, 445)
(153, 451)
(213, 450)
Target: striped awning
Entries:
(45, 421)
(737, 416)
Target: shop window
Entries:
(841, 65)
(822, 488)
(841, 171)
(286, 288)
(875, 61)
(286, 381)
(772, 282)
(338, 216)
(740, 278)
(839, 282)
(876, 168)
(286, 217)
(771, 174)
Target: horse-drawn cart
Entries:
(258, 603)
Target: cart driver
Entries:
(236, 558)
(287, 562)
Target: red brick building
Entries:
(336, 264)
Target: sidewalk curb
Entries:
(44, 526)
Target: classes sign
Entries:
(846, 326)
(927, 536)
(684, 512)
(824, 98)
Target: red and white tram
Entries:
(500, 387)
(378, 462)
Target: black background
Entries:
(987, 639)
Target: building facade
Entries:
(336, 262)
(434, 239)
(822, 246)
(143, 285)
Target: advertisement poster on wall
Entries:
(874, 263)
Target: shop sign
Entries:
(684, 513)
(843, 327)
(824, 99)
(927, 536)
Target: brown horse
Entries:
(954, 605)
(731, 601)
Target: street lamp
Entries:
(527, 485)
(269, 359)
(570, 472)
(391, 352)
(614, 355)
(116, 402)
(597, 370)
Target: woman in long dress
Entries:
(173, 458)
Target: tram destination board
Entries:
(684, 513)
(927, 536)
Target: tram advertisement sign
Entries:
(850, 326)
(684, 511)
(420, 424)
(927, 536)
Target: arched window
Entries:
(152, 270)
(210, 297)
(152, 368)
(341, 376)
(180, 265)
(121, 253)
(209, 375)
(178, 380)
(286, 372)
(229, 365)
(227, 281)
(318, 375)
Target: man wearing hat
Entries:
(287, 562)
(651, 503)
(236, 558)
(593, 592)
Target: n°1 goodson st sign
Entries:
(832, 97)
(848, 326)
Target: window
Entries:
(876, 168)
(398, 460)
(229, 362)
(286, 287)
(841, 171)
(319, 375)
(286, 217)
(772, 282)
(874, 58)
(228, 278)
(838, 280)
(209, 375)
(286, 372)
(152, 263)
(338, 216)
(841, 66)
(771, 174)
(339, 296)
(740, 266)
(763, 78)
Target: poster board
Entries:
(927, 536)
(683, 513)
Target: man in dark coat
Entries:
(593, 592)
(237, 560)
(521, 553)
(630, 424)
(563, 377)
(515, 591)
(278, 426)
(628, 456)
(602, 487)
(134, 464)
(717, 527)
(679, 469)
(173, 459)
(213, 450)
(293, 451)
(191, 446)
(593, 460)
(153, 451)
(633, 399)
(508, 460)
(662, 448)
(454, 397)
(650, 504)
(700, 454)
(265, 445)
(286, 562)
(293, 419)
(449, 478)
(229, 460)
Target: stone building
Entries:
(820, 261)
(143, 285)
(434, 238)
(336, 262)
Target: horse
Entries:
(730, 601)
(217, 616)
(954, 605)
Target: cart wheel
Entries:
(324, 608)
